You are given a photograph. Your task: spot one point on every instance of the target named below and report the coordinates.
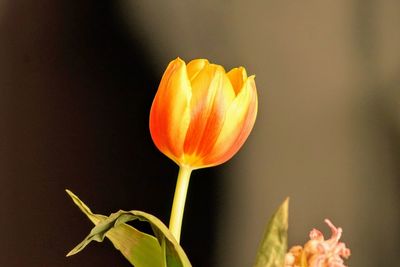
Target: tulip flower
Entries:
(201, 116)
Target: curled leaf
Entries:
(141, 249)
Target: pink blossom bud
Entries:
(318, 252)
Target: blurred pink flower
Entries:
(318, 252)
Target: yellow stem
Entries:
(178, 206)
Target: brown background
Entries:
(76, 83)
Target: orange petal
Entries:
(212, 93)
(170, 114)
(238, 123)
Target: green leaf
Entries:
(273, 247)
(141, 249)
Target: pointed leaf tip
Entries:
(273, 247)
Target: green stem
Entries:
(178, 206)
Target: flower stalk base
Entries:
(178, 205)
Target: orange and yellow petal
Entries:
(170, 112)
(239, 121)
(212, 94)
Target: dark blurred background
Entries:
(77, 79)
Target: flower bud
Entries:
(201, 115)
